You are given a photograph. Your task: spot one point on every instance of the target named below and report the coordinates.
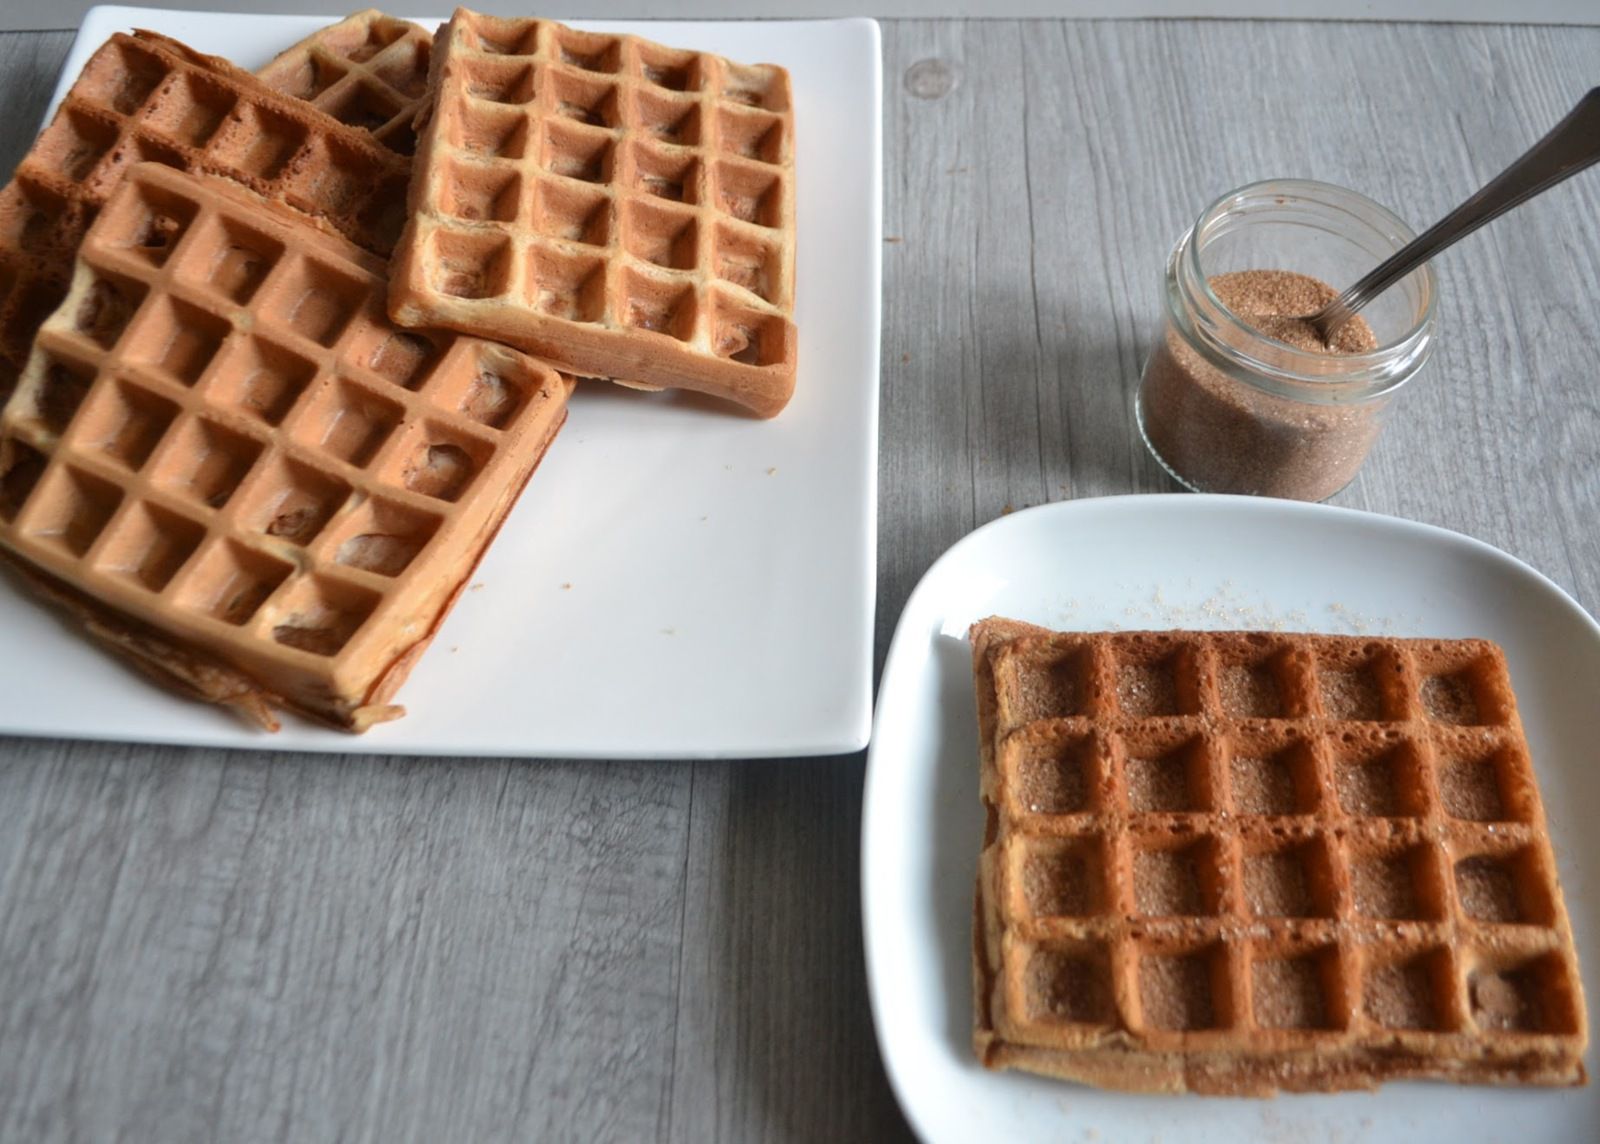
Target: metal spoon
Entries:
(1571, 145)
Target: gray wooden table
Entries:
(197, 945)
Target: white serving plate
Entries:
(1190, 562)
(678, 581)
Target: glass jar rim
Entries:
(1307, 374)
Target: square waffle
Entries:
(369, 70)
(145, 97)
(226, 460)
(621, 209)
(1235, 863)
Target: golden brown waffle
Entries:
(621, 209)
(145, 97)
(369, 70)
(1244, 862)
(224, 457)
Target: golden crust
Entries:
(618, 208)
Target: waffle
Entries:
(1237, 863)
(621, 209)
(369, 70)
(145, 97)
(229, 463)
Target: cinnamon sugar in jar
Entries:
(1239, 394)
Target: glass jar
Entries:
(1227, 409)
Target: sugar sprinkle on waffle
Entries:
(1238, 863)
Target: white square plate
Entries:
(1190, 562)
(678, 580)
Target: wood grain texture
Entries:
(1019, 304)
(200, 945)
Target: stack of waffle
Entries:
(248, 458)
(1243, 862)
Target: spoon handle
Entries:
(1569, 147)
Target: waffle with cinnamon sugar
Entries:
(1244, 862)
